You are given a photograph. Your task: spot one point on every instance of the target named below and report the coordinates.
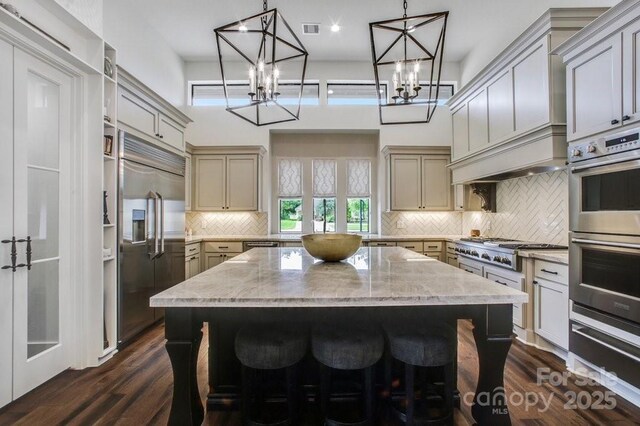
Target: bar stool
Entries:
(347, 347)
(423, 346)
(270, 347)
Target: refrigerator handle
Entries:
(153, 196)
(161, 223)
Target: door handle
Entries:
(615, 121)
(161, 223)
(14, 254)
(605, 243)
(626, 118)
(29, 252)
(500, 282)
(153, 196)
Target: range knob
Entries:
(486, 256)
(592, 149)
(474, 253)
(506, 261)
(497, 259)
(457, 250)
(576, 153)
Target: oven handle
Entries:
(605, 243)
(577, 328)
(581, 168)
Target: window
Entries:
(290, 195)
(324, 193)
(354, 93)
(212, 93)
(358, 214)
(445, 92)
(358, 195)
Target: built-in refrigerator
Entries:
(151, 231)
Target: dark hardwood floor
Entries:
(135, 389)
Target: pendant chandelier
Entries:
(403, 50)
(264, 56)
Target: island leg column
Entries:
(493, 330)
(184, 334)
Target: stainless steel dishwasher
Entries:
(248, 245)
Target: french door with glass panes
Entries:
(35, 133)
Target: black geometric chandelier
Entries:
(263, 56)
(404, 50)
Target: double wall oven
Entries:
(604, 252)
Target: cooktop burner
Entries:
(521, 245)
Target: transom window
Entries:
(211, 93)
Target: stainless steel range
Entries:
(500, 252)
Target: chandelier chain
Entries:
(404, 5)
(264, 5)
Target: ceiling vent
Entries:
(311, 29)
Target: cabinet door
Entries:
(192, 266)
(435, 255)
(136, 113)
(531, 88)
(6, 222)
(436, 183)
(551, 317)
(458, 197)
(452, 260)
(213, 259)
(242, 183)
(469, 266)
(516, 283)
(594, 90)
(500, 106)
(187, 182)
(406, 192)
(170, 132)
(460, 119)
(478, 122)
(631, 73)
(210, 182)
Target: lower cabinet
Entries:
(551, 315)
(215, 259)
(434, 254)
(192, 266)
(511, 279)
(451, 256)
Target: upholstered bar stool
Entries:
(414, 346)
(347, 347)
(270, 347)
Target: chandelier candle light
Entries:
(411, 46)
(265, 42)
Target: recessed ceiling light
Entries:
(243, 28)
(330, 92)
(335, 28)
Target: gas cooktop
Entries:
(501, 252)
(512, 244)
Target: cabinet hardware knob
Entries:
(193, 258)
(535, 282)
(161, 137)
(615, 121)
(626, 118)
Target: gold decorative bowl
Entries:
(331, 247)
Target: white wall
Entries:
(143, 51)
(89, 12)
(215, 126)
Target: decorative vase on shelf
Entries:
(105, 215)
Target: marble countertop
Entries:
(558, 256)
(296, 237)
(290, 277)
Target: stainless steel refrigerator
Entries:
(151, 230)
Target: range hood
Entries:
(542, 151)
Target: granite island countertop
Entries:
(374, 276)
(296, 237)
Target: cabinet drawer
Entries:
(382, 244)
(411, 245)
(552, 271)
(223, 247)
(434, 254)
(191, 249)
(433, 246)
(469, 267)
(451, 248)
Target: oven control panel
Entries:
(613, 144)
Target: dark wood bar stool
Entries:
(349, 347)
(270, 347)
(431, 346)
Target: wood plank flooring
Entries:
(135, 389)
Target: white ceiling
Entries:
(188, 25)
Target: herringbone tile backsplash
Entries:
(232, 223)
(421, 223)
(532, 208)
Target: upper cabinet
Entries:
(226, 179)
(418, 178)
(517, 101)
(602, 73)
(145, 114)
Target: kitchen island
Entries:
(287, 284)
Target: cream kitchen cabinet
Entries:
(465, 200)
(418, 181)
(188, 179)
(226, 182)
(471, 266)
(460, 121)
(215, 259)
(551, 302)
(145, 114)
(603, 73)
(511, 279)
(192, 266)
